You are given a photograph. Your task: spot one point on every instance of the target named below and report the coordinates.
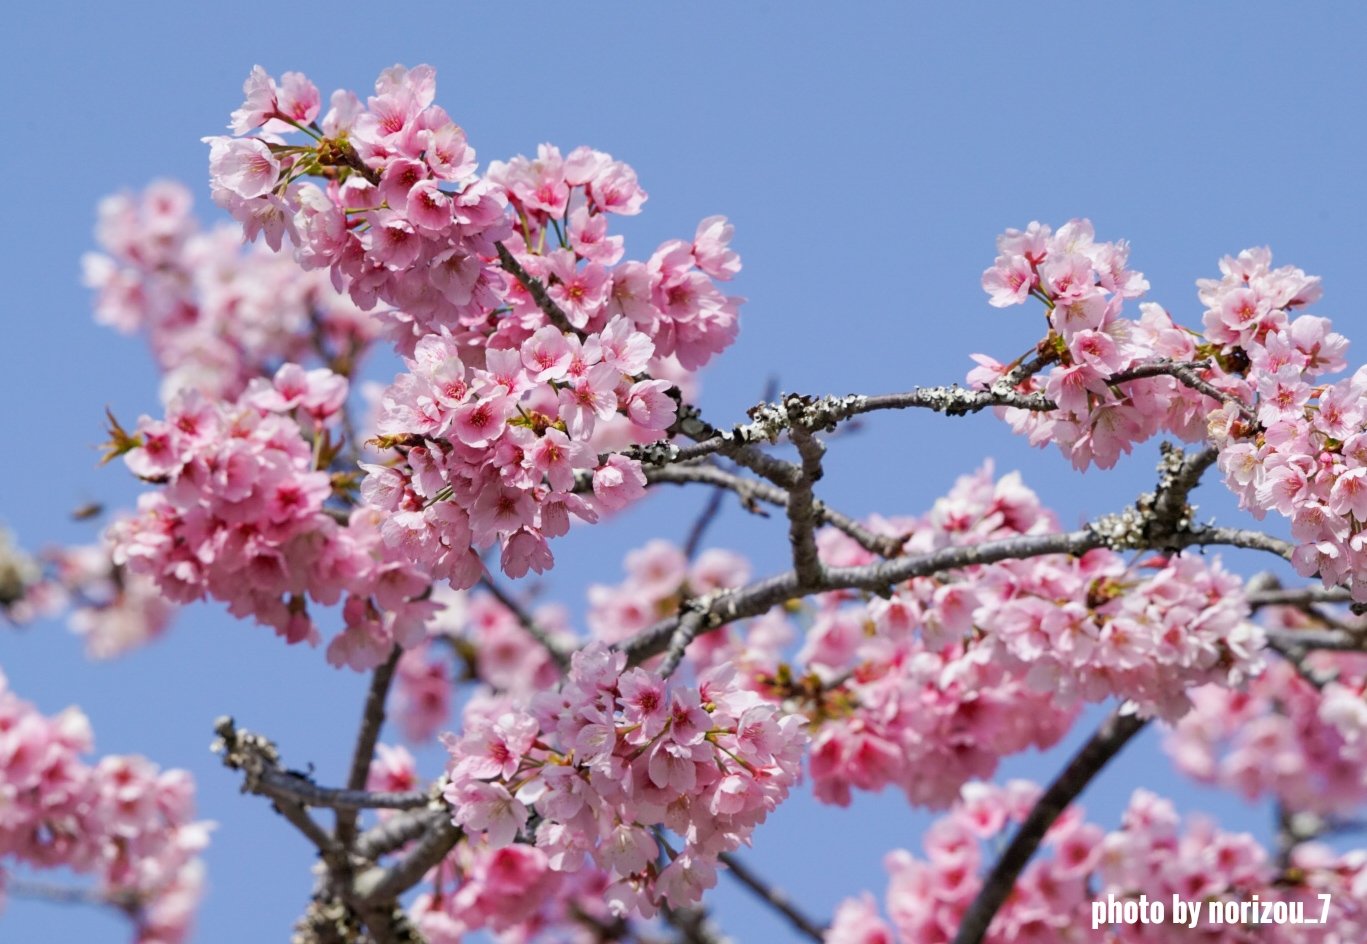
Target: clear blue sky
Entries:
(867, 154)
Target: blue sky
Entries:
(867, 157)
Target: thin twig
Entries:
(773, 896)
(332, 851)
(1187, 372)
(125, 902)
(693, 543)
(688, 421)
(1115, 732)
(751, 490)
(694, 925)
(558, 653)
(690, 625)
(553, 312)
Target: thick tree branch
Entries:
(1123, 531)
(1297, 596)
(1169, 514)
(380, 885)
(1292, 642)
(769, 421)
(801, 513)
(399, 830)
(1114, 733)
(367, 736)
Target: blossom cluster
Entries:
(929, 687)
(1083, 285)
(513, 891)
(1289, 442)
(405, 219)
(508, 392)
(243, 517)
(1284, 737)
(600, 769)
(1305, 457)
(112, 609)
(214, 315)
(1152, 854)
(493, 454)
(120, 820)
(672, 297)
(382, 224)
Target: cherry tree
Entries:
(602, 778)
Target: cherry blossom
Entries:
(614, 757)
(1152, 854)
(121, 820)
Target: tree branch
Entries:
(770, 420)
(558, 653)
(696, 532)
(1297, 596)
(372, 720)
(801, 514)
(751, 490)
(1296, 642)
(1187, 373)
(127, 903)
(333, 852)
(1125, 530)
(553, 312)
(690, 624)
(399, 830)
(1114, 733)
(380, 885)
(694, 925)
(1169, 513)
(772, 896)
(293, 787)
